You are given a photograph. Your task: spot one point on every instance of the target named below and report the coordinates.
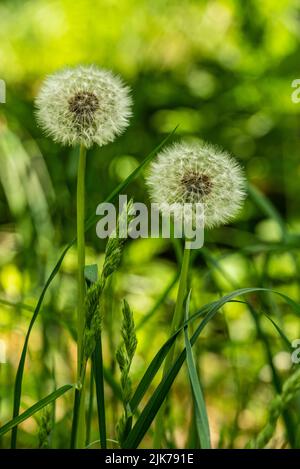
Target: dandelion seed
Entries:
(83, 105)
(197, 173)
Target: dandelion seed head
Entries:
(194, 173)
(83, 105)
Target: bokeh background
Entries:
(222, 70)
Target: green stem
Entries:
(97, 359)
(176, 323)
(76, 442)
(80, 252)
(80, 430)
(90, 409)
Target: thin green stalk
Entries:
(90, 409)
(80, 251)
(79, 397)
(176, 323)
(80, 423)
(97, 359)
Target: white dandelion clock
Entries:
(190, 174)
(83, 105)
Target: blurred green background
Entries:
(223, 71)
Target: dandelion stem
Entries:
(80, 251)
(80, 440)
(176, 322)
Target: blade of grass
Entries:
(77, 403)
(266, 207)
(75, 418)
(19, 375)
(91, 220)
(88, 224)
(200, 407)
(153, 405)
(35, 408)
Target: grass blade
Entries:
(153, 405)
(285, 340)
(35, 408)
(155, 364)
(89, 415)
(159, 302)
(91, 220)
(19, 375)
(200, 407)
(154, 367)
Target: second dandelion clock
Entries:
(197, 174)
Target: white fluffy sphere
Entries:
(187, 173)
(83, 105)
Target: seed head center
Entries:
(83, 106)
(196, 183)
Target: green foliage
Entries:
(226, 81)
